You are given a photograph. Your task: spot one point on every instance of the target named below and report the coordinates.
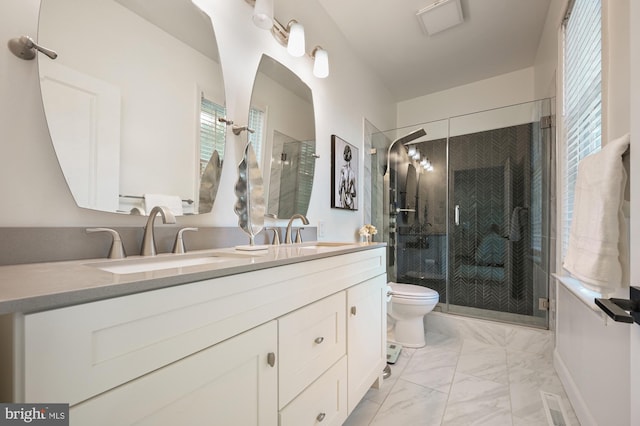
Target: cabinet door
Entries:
(231, 383)
(366, 336)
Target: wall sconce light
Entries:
(296, 46)
(291, 36)
(320, 62)
(263, 13)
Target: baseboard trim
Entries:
(573, 393)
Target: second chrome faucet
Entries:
(287, 235)
(148, 240)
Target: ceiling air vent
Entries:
(440, 16)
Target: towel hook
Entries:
(239, 129)
(24, 48)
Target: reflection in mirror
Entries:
(409, 195)
(282, 116)
(133, 101)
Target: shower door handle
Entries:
(456, 214)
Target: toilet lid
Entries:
(410, 291)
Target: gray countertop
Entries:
(41, 286)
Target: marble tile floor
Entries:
(455, 380)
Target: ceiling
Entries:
(496, 37)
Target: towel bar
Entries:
(140, 197)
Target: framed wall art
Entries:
(344, 174)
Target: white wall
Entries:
(503, 90)
(34, 188)
(616, 72)
(546, 61)
(592, 361)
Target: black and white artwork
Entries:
(344, 174)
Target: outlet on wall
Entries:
(321, 229)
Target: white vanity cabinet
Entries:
(294, 344)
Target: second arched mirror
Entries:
(282, 117)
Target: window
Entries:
(582, 106)
(256, 123)
(212, 131)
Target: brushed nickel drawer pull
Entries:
(320, 417)
(271, 359)
(353, 310)
(319, 340)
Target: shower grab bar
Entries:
(456, 214)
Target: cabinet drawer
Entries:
(324, 402)
(311, 340)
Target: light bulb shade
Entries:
(412, 151)
(263, 14)
(416, 156)
(295, 46)
(321, 63)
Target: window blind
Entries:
(582, 107)
(256, 123)
(212, 131)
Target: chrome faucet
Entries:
(148, 240)
(287, 235)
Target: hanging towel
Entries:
(173, 202)
(518, 221)
(593, 254)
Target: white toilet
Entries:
(407, 307)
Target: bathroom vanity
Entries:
(292, 335)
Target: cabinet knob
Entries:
(271, 359)
(319, 340)
(320, 417)
(353, 310)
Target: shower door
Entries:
(498, 258)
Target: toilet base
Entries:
(408, 333)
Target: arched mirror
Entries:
(282, 118)
(132, 102)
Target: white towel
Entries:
(173, 202)
(592, 254)
(518, 221)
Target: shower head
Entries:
(418, 133)
(411, 136)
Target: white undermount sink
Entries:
(155, 264)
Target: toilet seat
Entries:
(410, 292)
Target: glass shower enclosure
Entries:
(465, 210)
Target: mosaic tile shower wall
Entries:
(482, 224)
(490, 186)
